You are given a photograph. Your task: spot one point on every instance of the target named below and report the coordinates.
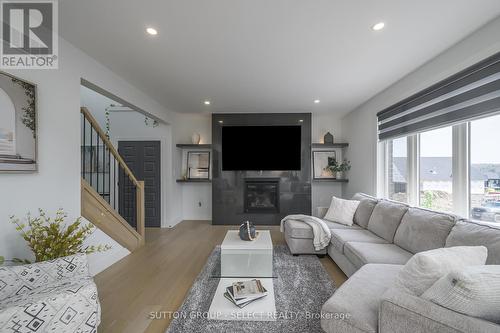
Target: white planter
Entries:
(195, 138)
(339, 175)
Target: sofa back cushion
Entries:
(365, 209)
(422, 230)
(468, 233)
(385, 218)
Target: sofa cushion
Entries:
(360, 253)
(385, 218)
(341, 211)
(299, 229)
(425, 268)
(341, 236)
(359, 299)
(472, 233)
(422, 230)
(473, 291)
(17, 280)
(365, 209)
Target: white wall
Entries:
(57, 182)
(191, 194)
(359, 127)
(322, 192)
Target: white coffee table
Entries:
(245, 260)
(241, 258)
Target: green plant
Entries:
(51, 238)
(428, 200)
(2, 259)
(29, 116)
(344, 166)
(332, 165)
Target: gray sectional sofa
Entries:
(372, 251)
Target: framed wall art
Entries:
(322, 159)
(198, 165)
(18, 125)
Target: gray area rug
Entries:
(302, 286)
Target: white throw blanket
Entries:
(320, 230)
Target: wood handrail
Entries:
(93, 122)
(100, 212)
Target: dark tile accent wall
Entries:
(228, 186)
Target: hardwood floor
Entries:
(158, 276)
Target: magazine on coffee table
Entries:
(250, 288)
(254, 291)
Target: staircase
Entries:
(111, 196)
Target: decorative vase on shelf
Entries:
(247, 231)
(340, 174)
(328, 138)
(195, 138)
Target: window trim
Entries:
(461, 169)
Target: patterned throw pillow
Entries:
(17, 280)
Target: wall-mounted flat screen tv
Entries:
(259, 148)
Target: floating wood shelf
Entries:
(193, 146)
(194, 180)
(331, 180)
(329, 145)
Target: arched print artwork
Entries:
(17, 125)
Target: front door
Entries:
(143, 158)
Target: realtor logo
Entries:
(29, 34)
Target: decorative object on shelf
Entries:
(247, 231)
(198, 165)
(328, 138)
(341, 168)
(51, 238)
(323, 163)
(18, 124)
(195, 138)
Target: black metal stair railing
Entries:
(106, 172)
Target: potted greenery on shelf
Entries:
(51, 238)
(341, 168)
(337, 170)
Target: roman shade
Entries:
(471, 93)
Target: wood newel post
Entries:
(140, 211)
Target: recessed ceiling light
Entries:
(221, 121)
(152, 31)
(316, 101)
(301, 120)
(207, 102)
(378, 26)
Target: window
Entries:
(397, 183)
(485, 169)
(436, 169)
(453, 169)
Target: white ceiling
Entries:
(267, 55)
